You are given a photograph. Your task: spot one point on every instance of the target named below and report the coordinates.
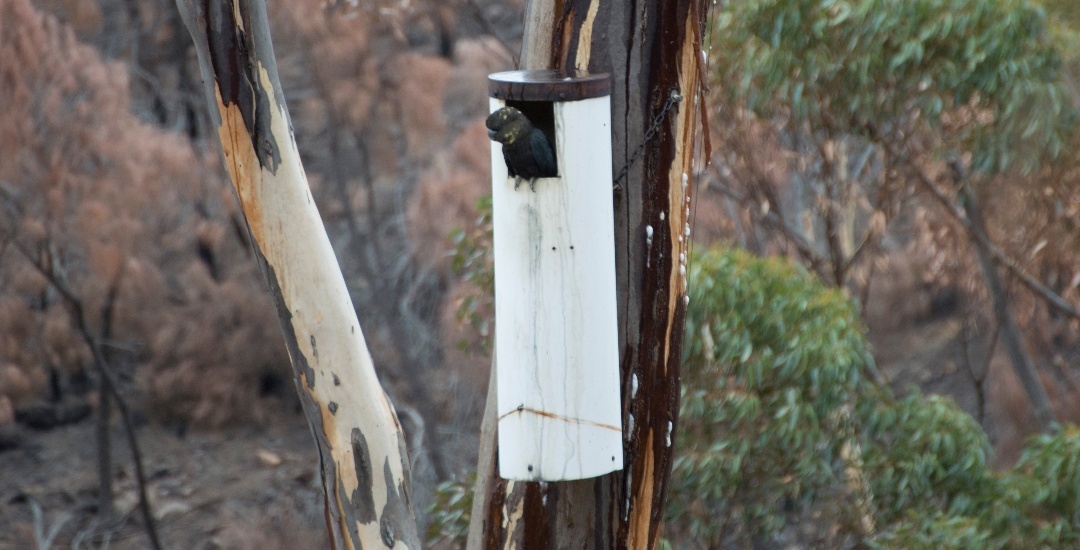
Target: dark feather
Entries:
(509, 165)
(545, 157)
(526, 150)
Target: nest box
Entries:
(556, 334)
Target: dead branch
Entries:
(49, 266)
(1052, 298)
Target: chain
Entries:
(672, 100)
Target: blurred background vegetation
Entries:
(845, 384)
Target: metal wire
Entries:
(673, 99)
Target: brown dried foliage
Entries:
(108, 200)
(385, 98)
(447, 197)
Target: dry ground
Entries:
(240, 488)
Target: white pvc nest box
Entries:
(556, 334)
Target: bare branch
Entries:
(50, 268)
(772, 218)
(1052, 298)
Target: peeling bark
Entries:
(363, 461)
(652, 50)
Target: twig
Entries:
(108, 379)
(416, 442)
(491, 28)
(1052, 298)
(1025, 371)
(105, 492)
(770, 216)
(42, 537)
(978, 380)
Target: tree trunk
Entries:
(106, 496)
(362, 455)
(1010, 335)
(653, 52)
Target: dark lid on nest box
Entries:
(548, 85)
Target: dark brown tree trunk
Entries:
(653, 52)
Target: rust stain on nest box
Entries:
(556, 337)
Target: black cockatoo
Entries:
(526, 149)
